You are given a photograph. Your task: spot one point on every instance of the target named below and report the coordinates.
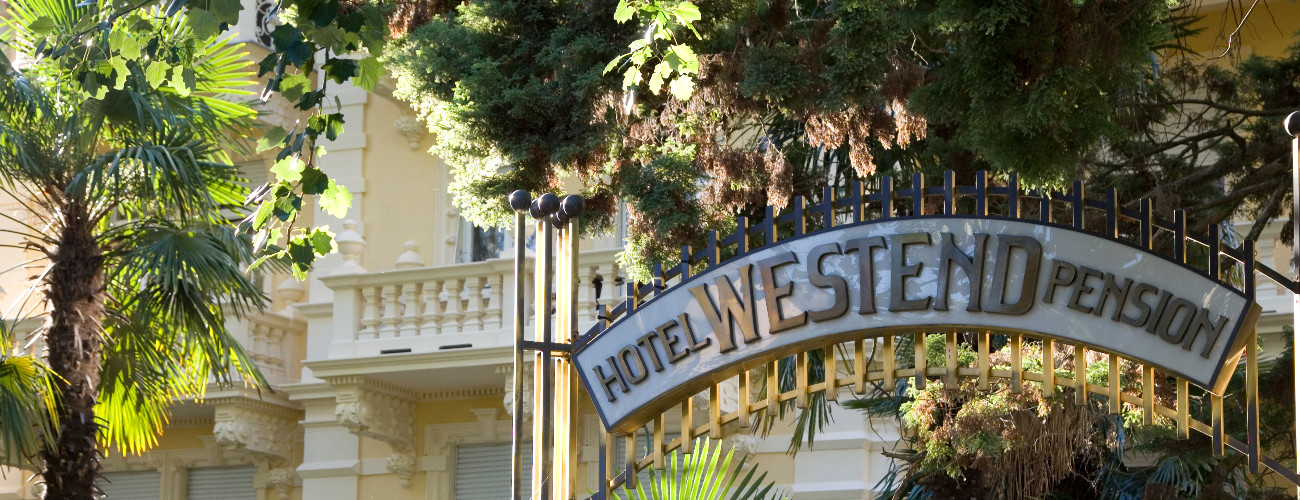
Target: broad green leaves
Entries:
(678, 63)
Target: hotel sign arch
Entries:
(808, 292)
(895, 261)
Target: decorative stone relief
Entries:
(743, 444)
(376, 410)
(259, 428)
(508, 399)
(282, 479)
(402, 464)
(412, 129)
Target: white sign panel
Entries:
(910, 275)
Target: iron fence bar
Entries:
(517, 395)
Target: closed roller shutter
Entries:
(483, 471)
(642, 449)
(133, 485)
(221, 483)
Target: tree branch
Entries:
(1222, 107)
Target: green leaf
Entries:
(370, 73)
(687, 12)
(226, 11)
(155, 73)
(42, 25)
(263, 213)
(335, 200)
(314, 181)
(288, 169)
(612, 64)
(661, 72)
(302, 255)
(329, 124)
(119, 67)
(273, 138)
(682, 87)
(178, 83)
(125, 45)
(624, 12)
(631, 77)
(294, 85)
(327, 36)
(204, 23)
(340, 69)
(322, 241)
(683, 59)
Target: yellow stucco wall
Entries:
(1269, 30)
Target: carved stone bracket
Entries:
(282, 479)
(508, 372)
(402, 464)
(375, 409)
(264, 429)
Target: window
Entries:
(221, 483)
(131, 485)
(474, 244)
(483, 471)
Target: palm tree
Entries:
(123, 183)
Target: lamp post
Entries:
(1292, 125)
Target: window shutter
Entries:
(483, 471)
(221, 483)
(131, 485)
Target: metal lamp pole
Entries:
(1292, 125)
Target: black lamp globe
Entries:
(572, 205)
(520, 200)
(549, 203)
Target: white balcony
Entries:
(444, 308)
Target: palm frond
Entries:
(705, 474)
(28, 399)
(173, 174)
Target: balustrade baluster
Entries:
(453, 314)
(473, 304)
(410, 310)
(586, 294)
(495, 292)
(431, 314)
(370, 315)
(258, 334)
(389, 313)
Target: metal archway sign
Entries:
(860, 269)
(942, 273)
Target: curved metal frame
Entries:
(856, 206)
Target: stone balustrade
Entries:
(424, 309)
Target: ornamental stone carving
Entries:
(508, 400)
(412, 129)
(402, 464)
(262, 429)
(282, 480)
(376, 410)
